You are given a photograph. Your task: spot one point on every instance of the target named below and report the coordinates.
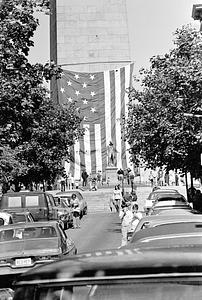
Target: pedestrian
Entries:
(134, 196)
(108, 181)
(151, 178)
(120, 175)
(94, 183)
(72, 182)
(84, 176)
(111, 203)
(137, 216)
(99, 178)
(69, 183)
(126, 216)
(62, 184)
(76, 211)
(90, 182)
(117, 197)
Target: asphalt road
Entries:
(98, 231)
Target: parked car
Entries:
(26, 246)
(10, 217)
(169, 202)
(67, 196)
(117, 274)
(41, 205)
(180, 233)
(157, 193)
(154, 221)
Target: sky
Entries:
(151, 24)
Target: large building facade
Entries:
(89, 35)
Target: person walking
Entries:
(84, 176)
(126, 216)
(117, 196)
(76, 211)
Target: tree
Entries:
(157, 128)
(37, 132)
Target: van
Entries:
(41, 205)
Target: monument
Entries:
(111, 169)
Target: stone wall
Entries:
(94, 32)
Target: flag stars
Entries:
(62, 90)
(77, 93)
(76, 76)
(69, 83)
(92, 77)
(70, 99)
(85, 101)
(92, 94)
(93, 109)
(84, 85)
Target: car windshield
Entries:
(178, 290)
(27, 233)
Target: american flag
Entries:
(102, 101)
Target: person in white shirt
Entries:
(137, 216)
(126, 216)
(76, 211)
(117, 197)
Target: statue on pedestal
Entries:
(110, 155)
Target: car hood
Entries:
(47, 246)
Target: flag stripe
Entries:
(93, 148)
(107, 106)
(87, 148)
(118, 116)
(77, 167)
(128, 78)
(113, 123)
(98, 148)
(123, 144)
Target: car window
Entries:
(31, 200)
(1, 221)
(129, 291)
(19, 218)
(14, 201)
(27, 233)
(50, 200)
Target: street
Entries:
(98, 231)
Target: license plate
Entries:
(21, 262)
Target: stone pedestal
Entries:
(111, 175)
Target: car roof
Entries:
(176, 211)
(163, 219)
(115, 263)
(29, 225)
(23, 193)
(170, 195)
(166, 229)
(166, 190)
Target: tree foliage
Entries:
(34, 131)
(157, 128)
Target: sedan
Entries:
(180, 233)
(10, 217)
(157, 193)
(117, 274)
(28, 245)
(154, 221)
(169, 202)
